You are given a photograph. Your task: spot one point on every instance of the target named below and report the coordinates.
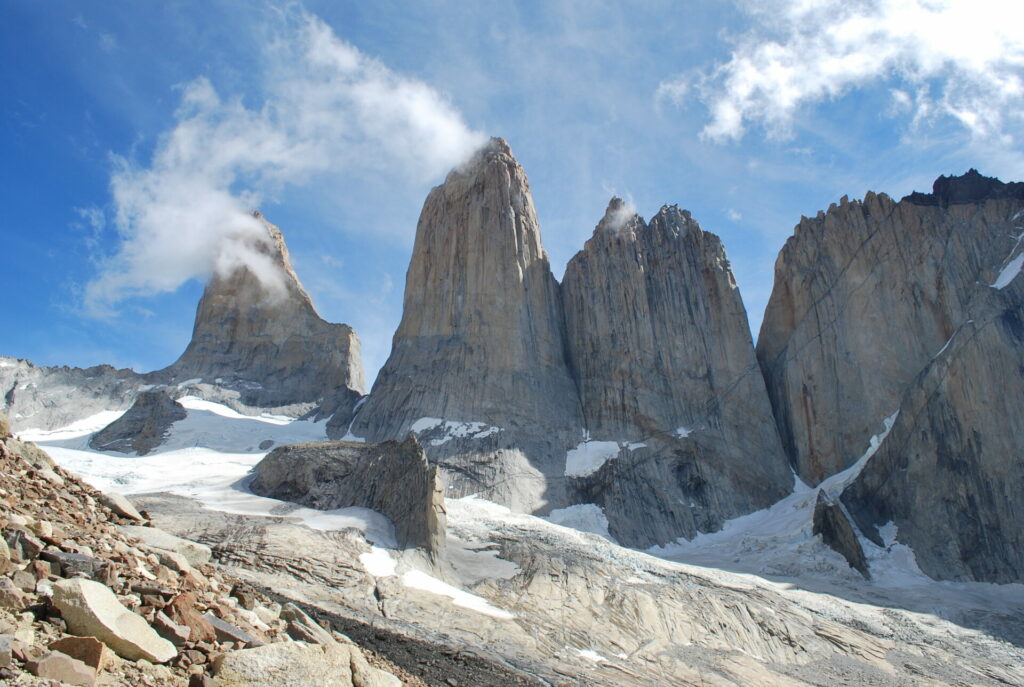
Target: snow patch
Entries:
(585, 517)
(591, 655)
(589, 456)
(451, 429)
(378, 562)
(1009, 272)
(635, 445)
(416, 579)
(79, 428)
(682, 432)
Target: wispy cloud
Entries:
(323, 107)
(961, 59)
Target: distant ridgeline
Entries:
(892, 351)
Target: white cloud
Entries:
(734, 215)
(325, 108)
(962, 59)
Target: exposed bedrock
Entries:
(143, 426)
(865, 295)
(662, 354)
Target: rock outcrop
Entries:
(267, 342)
(392, 478)
(143, 427)
(477, 366)
(865, 295)
(838, 534)
(661, 351)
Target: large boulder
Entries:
(297, 664)
(143, 427)
(90, 609)
(392, 478)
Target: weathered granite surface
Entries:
(392, 478)
(479, 357)
(865, 295)
(661, 351)
(838, 534)
(950, 475)
(269, 344)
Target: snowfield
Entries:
(208, 457)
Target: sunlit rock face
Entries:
(262, 337)
(662, 354)
(865, 295)
(478, 366)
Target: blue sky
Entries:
(132, 135)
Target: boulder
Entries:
(120, 505)
(88, 650)
(63, 668)
(156, 538)
(91, 609)
(392, 478)
(297, 664)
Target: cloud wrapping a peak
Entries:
(962, 59)
(325, 108)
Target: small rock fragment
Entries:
(61, 667)
(89, 650)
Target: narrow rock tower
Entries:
(477, 366)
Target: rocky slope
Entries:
(660, 347)
(267, 343)
(477, 366)
(91, 593)
(865, 295)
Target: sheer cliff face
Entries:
(865, 295)
(268, 344)
(661, 351)
(477, 365)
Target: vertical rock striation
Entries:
(477, 366)
(268, 343)
(865, 295)
(662, 354)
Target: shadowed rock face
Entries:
(837, 533)
(659, 342)
(269, 344)
(481, 344)
(392, 478)
(143, 427)
(865, 295)
(950, 475)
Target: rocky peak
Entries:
(972, 187)
(662, 356)
(256, 332)
(481, 341)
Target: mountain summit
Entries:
(267, 342)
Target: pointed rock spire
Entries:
(481, 342)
